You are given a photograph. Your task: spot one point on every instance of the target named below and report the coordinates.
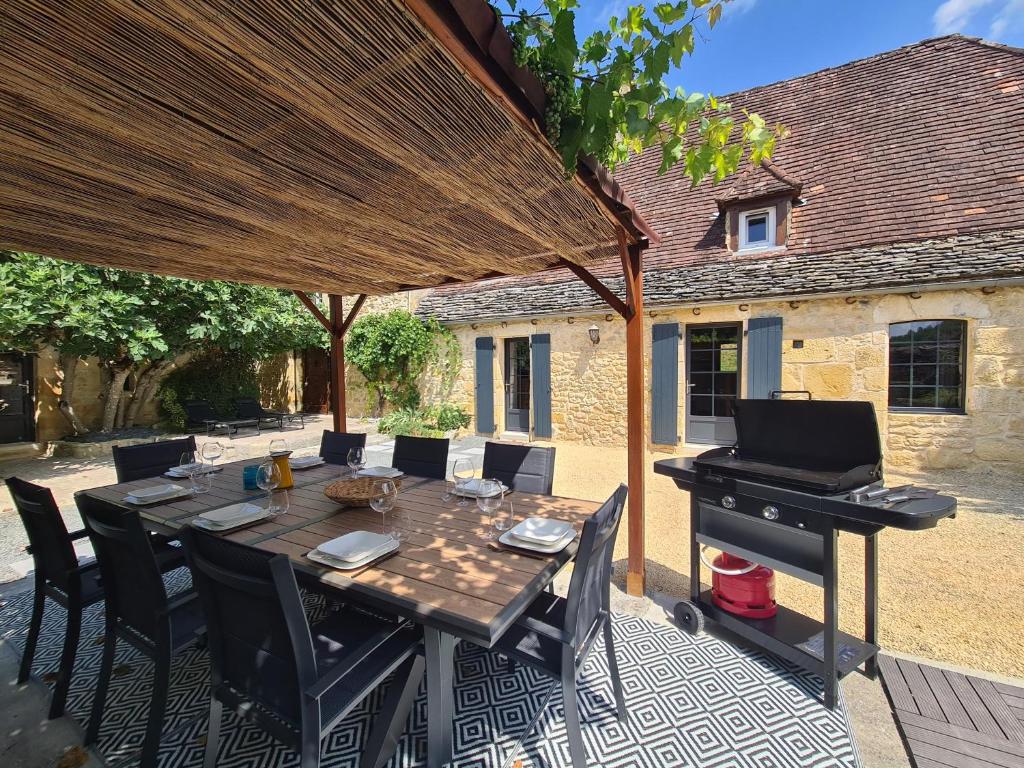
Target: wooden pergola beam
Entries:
(632, 270)
(352, 314)
(337, 364)
(315, 310)
(599, 288)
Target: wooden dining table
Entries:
(446, 576)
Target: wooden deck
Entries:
(952, 720)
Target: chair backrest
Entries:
(523, 468)
(135, 592)
(52, 550)
(592, 573)
(334, 446)
(421, 456)
(198, 411)
(135, 462)
(248, 408)
(259, 639)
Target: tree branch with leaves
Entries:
(607, 97)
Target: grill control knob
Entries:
(729, 502)
(770, 512)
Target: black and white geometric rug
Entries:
(692, 701)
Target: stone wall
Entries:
(835, 348)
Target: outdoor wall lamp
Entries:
(595, 334)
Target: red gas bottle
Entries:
(742, 587)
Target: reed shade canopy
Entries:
(321, 145)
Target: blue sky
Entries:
(761, 41)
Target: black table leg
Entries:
(871, 601)
(440, 656)
(830, 538)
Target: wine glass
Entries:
(211, 451)
(187, 462)
(268, 477)
(489, 499)
(463, 472)
(278, 446)
(356, 459)
(382, 499)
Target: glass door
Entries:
(517, 385)
(712, 382)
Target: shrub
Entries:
(219, 377)
(424, 422)
(449, 416)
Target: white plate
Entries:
(206, 525)
(180, 473)
(231, 513)
(354, 546)
(305, 462)
(347, 565)
(388, 473)
(510, 539)
(157, 493)
(541, 530)
(471, 489)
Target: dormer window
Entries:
(757, 229)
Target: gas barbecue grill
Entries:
(801, 471)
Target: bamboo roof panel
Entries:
(312, 145)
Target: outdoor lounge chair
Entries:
(248, 408)
(523, 468)
(138, 611)
(199, 414)
(555, 635)
(293, 680)
(334, 446)
(136, 462)
(421, 456)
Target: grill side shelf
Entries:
(913, 515)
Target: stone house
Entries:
(879, 256)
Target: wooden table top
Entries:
(443, 575)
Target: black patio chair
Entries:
(421, 456)
(293, 680)
(249, 408)
(555, 635)
(136, 462)
(58, 576)
(138, 611)
(334, 446)
(199, 414)
(523, 468)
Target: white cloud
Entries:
(1010, 16)
(737, 7)
(953, 15)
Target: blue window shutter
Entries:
(485, 385)
(764, 356)
(540, 371)
(665, 383)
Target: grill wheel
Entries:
(689, 617)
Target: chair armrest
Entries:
(538, 626)
(80, 534)
(354, 659)
(179, 601)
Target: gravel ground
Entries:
(952, 593)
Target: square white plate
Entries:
(510, 539)
(157, 493)
(542, 530)
(354, 546)
(305, 462)
(232, 513)
(472, 488)
(388, 473)
(260, 513)
(347, 565)
(180, 473)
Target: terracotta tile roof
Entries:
(975, 258)
(756, 181)
(922, 143)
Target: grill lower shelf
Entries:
(782, 633)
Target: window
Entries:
(926, 365)
(757, 229)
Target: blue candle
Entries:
(249, 477)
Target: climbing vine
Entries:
(607, 96)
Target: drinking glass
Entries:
(382, 500)
(463, 472)
(201, 479)
(211, 451)
(489, 499)
(280, 501)
(278, 446)
(356, 460)
(268, 477)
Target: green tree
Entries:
(139, 326)
(606, 95)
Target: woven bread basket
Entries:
(355, 492)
